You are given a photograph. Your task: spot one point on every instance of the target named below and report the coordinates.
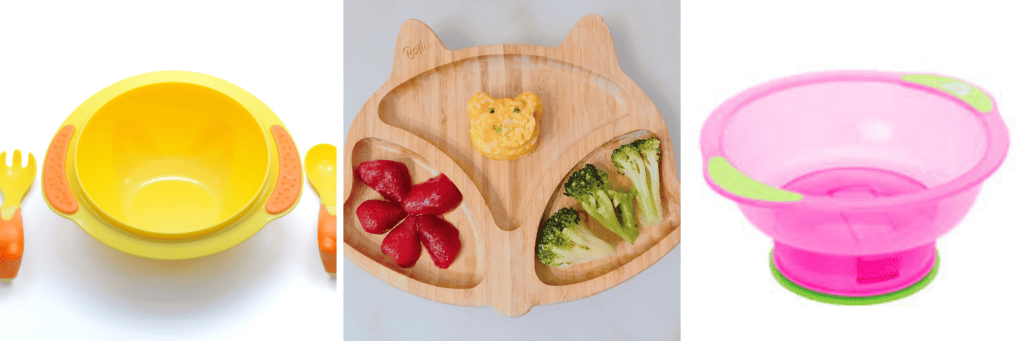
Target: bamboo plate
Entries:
(419, 118)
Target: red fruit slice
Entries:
(441, 239)
(403, 244)
(389, 178)
(378, 216)
(436, 196)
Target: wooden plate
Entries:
(419, 118)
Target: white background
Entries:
(728, 46)
(646, 39)
(71, 287)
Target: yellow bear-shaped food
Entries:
(504, 128)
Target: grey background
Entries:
(646, 38)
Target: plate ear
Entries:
(418, 49)
(589, 44)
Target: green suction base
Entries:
(848, 300)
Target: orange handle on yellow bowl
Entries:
(289, 179)
(12, 244)
(327, 236)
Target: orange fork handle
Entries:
(327, 237)
(12, 243)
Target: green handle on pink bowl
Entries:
(971, 95)
(734, 181)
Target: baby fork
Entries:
(14, 183)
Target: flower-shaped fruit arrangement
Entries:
(421, 207)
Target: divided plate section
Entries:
(576, 101)
(467, 270)
(649, 236)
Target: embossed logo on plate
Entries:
(412, 51)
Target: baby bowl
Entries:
(172, 165)
(854, 174)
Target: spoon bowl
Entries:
(322, 170)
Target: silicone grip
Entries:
(971, 95)
(327, 238)
(12, 244)
(289, 178)
(736, 182)
(55, 182)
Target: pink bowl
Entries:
(854, 174)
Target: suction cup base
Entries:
(849, 300)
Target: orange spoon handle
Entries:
(12, 243)
(327, 236)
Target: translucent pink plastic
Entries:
(885, 167)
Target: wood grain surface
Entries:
(418, 117)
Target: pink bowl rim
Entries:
(997, 143)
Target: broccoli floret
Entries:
(592, 189)
(563, 240)
(639, 161)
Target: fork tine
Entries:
(31, 162)
(3, 160)
(16, 159)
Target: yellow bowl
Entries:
(172, 165)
